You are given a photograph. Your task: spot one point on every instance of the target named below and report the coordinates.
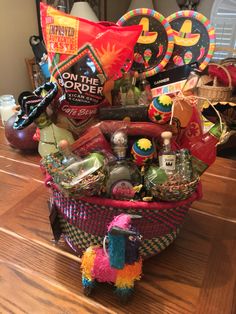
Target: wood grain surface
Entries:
(196, 274)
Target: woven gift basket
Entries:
(175, 191)
(216, 93)
(84, 220)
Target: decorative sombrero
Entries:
(194, 38)
(156, 42)
(185, 37)
(34, 104)
(146, 36)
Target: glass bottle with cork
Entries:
(129, 93)
(145, 91)
(167, 157)
(7, 107)
(124, 87)
(124, 175)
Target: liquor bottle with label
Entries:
(124, 87)
(145, 90)
(129, 93)
(167, 157)
(204, 150)
(124, 175)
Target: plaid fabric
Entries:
(84, 222)
(93, 219)
(79, 241)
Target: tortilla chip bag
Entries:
(82, 56)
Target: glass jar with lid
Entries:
(7, 107)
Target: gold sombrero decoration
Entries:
(146, 37)
(184, 37)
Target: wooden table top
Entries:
(196, 274)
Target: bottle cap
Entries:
(166, 135)
(63, 145)
(119, 141)
(119, 138)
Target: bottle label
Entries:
(167, 162)
(130, 98)
(198, 166)
(123, 98)
(83, 90)
(122, 189)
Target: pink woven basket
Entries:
(84, 221)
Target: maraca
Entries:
(142, 151)
(159, 110)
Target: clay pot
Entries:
(21, 139)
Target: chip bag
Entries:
(83, 55)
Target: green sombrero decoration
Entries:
(156, 42)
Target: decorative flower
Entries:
(193, 130)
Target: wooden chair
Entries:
(34, 72)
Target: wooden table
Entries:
(196, 274)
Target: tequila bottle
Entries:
(167, 157)
(124, 175)
(129, 93)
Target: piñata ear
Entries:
(119, 231)
(135, 216)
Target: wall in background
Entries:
(167, 8)
(18, 21)
(115, 9)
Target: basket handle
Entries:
(226, 71)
